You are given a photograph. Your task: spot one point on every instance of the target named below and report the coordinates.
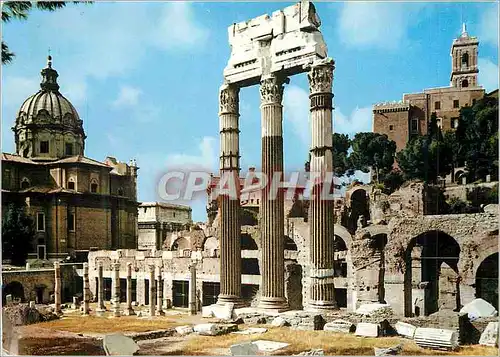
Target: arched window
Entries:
(71, 184)
(465, 60)
(93, 186)
(465, 83)
(25, 183)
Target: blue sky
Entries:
(144, 77)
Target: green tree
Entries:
(372, 151)
(20, 10)
(17, 234)
(341, 145)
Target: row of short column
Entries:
(322, 290)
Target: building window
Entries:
(41, 252)
(71, 184)
(465, 59)
(69, 149)
(465, 83)
(40, 222)
(44, 147)
(174, 214)
(391, 127)
(437, 105)
(414, 125)
(71, 222)
(93, 187)
(25, 183)
(454, 123)
(456, 103)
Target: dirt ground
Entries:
(78, 335)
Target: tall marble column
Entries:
(229, 226)
(192, 290)
(129, 310)
(86, 289)
(116, 289)
(100, 289)
(272, 205)
(152, 290)
(57, 288)
(321, 246)
(159, 291)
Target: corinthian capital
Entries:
(229, 99)
(321, 76)
(271, 89)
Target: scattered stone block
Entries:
(214, 329)
(244, 349)
(223, 311)
(391, 351)
(270, 346)
(367, 329)
(342, 326)
(479, 308)
(184, 330)
(374, 309)
(8, 299)
(489, 337)
(252, 331)
(316, 352)
(279, 322)
(405, 329)
(119, 345)
(206, 311)
(434, 338)
(32, 305)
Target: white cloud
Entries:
(17, 89)
(488, 74)
(296, 111)
(360, 120)
(488, 26)
(375, 24)
(127, 97)
(205, 159)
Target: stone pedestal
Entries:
(57, 288)
(229, 224)
(129, 310)
(86, 289)
(192, 290)
(152, 291)
(272, 201)
(116, 290)
(100, 290)
(159, 291)
(321, 249)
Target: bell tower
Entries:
(464, 68)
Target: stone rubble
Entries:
(251, 331)
(391, 351)
(215, 329)
(489, 337)
(342, 326)
(405, 329)
(184, 330)
(314, 352)
(244, 349)
(479, 308)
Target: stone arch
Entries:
(343, 233)
(180, 244)
(465, 83)
(431, 273)
(247, 242)
(486, 280)
(14, 288)
(458, 176)
(359, 206)
(25, 183)
(465, 59)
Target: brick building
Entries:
(77, 203)
(401, 121)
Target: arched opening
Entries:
(247, 242)
(458, 176)
(25, 183)
(15, 289)
(359, 207)
(248, 217)
(431, 274)
(180, 244)
(340, 254)
(290, 244)
(465, 60)
(94, 186)
(465, 83)
(487, 280)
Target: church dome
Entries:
(47, 124)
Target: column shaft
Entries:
(159, 292)
(116, 289)
(321, 252)
(100, 288)
(192, 290)
(230, 246)
(57, 288)
(129, 310)
(272, 203)
(86, 289)
(152, 290)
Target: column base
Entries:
(160, 313)
(100, 312)
(129, 312)
(236, 300)
(273, 304)
(321, 305)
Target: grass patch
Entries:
(99, 325)
(331, 343)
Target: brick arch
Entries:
(343, 233)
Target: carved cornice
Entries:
(321, 77)
(271, 90)
(229, 99)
